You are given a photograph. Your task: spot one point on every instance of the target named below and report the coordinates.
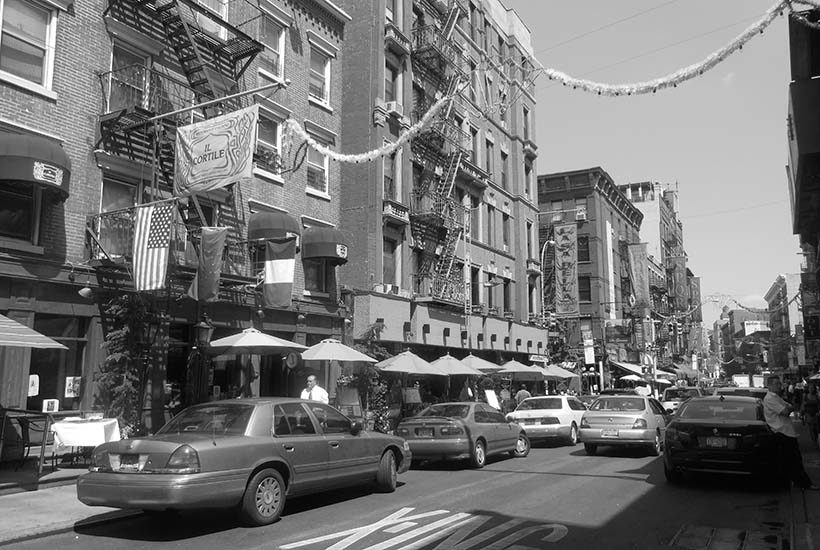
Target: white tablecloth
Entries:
(82, 432)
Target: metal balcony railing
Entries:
(429, 40)
(142, 87)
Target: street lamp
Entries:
(198, 361)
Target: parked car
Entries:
(722, 433)
(550, 417)
(619, 391)
(758, 393)
(587, 399)
(245, 453)
(462, 430)
(624, 420)
(674, 396)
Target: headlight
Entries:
(406, 446)
(184, 460)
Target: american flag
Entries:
(152, 235)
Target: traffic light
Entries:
(671, 328)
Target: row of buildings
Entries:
(445, 243)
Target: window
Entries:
(526, 123)
(390, 11)
(298, 421)
(475, 285)
(507, 295)
(316, 275)
(331, 420)
(530, 251)
(19, 214)
(488, 156)
(488, 31)
(583, 248)
(273, 37)
(581, 205)
(504, 168)
(532, 297)
(268, 143)
(127, 83)
(473, 82)
(490, 225)
(527, 179)
(217, 7)
(391, 82)
(475, 146)
(474, 22)
(490, 290)
(475, 217)
(389, 258)
(319, 83)
(317, 171)
(389, 168)
(27, 41)
(505, 231)
(584, 289)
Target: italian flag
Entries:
(280, 263)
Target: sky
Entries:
(721, 137)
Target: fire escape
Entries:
(437, 219)
(208, 57)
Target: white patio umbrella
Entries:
(554, 371)
(483, 365)
(453, 366)
(662, 381)
(408, 362)
(520, 371)
(252, 342)
(333, 350)
(631, 377)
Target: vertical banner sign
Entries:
(681, 284)
(566, 270)
(152, 238)
(280, 263)
(639, 271)
(694, 287)
(611, 271)
(216, 152)
(589, 347)
(205, 286)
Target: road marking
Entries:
(400, 527)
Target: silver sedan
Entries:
(633, 420)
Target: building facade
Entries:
(447, 222)
(785, 322)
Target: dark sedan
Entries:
(467, 430)
(245, 453)
(719, 434)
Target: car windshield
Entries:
(450, 411)
(618, 404)
(222, 419)
(721, 410)
(760, 393)
(540, 403)
(672, 394)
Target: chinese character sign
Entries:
(639, 271)
(566, 270)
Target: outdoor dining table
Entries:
(85, 432)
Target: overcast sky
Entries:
(721, 137)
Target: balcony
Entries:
(804, 152)
(533, 267)
(530, 149)
(395, 40)
(396, 212)
(432, 50)
(471, 172)
(145, 92)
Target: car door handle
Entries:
(288, 448)
(333, 444)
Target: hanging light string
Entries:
(781, 307)
(684, 314)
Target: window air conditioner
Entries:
(581, 216)
(557, 218)
(394, 108)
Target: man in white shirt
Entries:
(778, 416)
(314, 392)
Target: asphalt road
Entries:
(557, 497)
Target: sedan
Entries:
(632, 420)
(467, 430)
(673, 397)
(723, 434)
(245, 453)
(550, 417)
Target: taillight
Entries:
(451, 430)
(510, 418)
(184, 460)
(402, 431)
(100, 461)
(584, 423)
(640, 424)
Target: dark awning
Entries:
(18, 335)
(34, 159)
(272, 225)
(324, 242)
(629, 367)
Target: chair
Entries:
(22, 433)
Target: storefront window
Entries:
(59, 372)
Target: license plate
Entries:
(609, 432)
(718, 442)
(529, 422)
(129, 462)
(424, 432)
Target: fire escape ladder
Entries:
(468, 243)
(451, 21)
(448, 180)
(447, 286)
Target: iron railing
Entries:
(142, 87)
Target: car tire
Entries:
(522, 446)
(591, 448)
(386, 476)
(264, 498)
(573, 435)
(478, 458)
(655, 447)
(672, 475)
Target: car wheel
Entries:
(573, 434)
(522, 446)
(591, 448)
(264, 498)
(672, 475)
(655, 449)
(386, 476)
(479, 456)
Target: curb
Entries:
(68, 526)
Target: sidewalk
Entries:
(805, 505)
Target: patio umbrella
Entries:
(631, 377)
(815, 376)
(333, 350)
(252, 342)
(408, 362)
(520, 371)
(483, 365)
(554, 371)
(662, 381)
(453, 366)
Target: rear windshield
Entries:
(540, 403)
(721, 410)
(679, 393)
(618, 404)
(450, 411)
(225, 419)
(759, 393)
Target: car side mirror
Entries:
(669, 412)
(356, 427)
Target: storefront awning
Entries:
(630, 367)
(18, 335)
(272, 225)
(324, 242)
(35, 160)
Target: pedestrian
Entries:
(522, 394)
(778, 416)
(314, 392)
(809, 410)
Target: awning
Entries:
(630, 367)
(36, 160)
(272, 225)
(18, 335)
(683, 370)
(324, 242)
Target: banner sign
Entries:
(566, 270)
(680, 285)
(694, 287)
(216, 152)
(618, 330)
(639, 272)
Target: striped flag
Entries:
(278, 276)
(152, 236)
